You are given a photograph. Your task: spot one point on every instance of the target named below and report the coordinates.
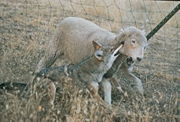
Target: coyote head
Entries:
(99, 63)
(105, 55)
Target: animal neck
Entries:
(90, 70)
(91, 65)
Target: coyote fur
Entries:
(91, 70)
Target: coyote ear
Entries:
(96, 45)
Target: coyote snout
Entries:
(105, 55)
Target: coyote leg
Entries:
(107, 91)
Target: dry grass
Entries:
(26, 26)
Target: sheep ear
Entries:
(96, 45)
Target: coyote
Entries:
(94, 67)
(90, 70)
(73, 42)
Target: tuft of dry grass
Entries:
(74, 102)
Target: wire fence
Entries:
(27, 25)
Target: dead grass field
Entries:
(26, 26)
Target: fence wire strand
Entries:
(27, 25)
